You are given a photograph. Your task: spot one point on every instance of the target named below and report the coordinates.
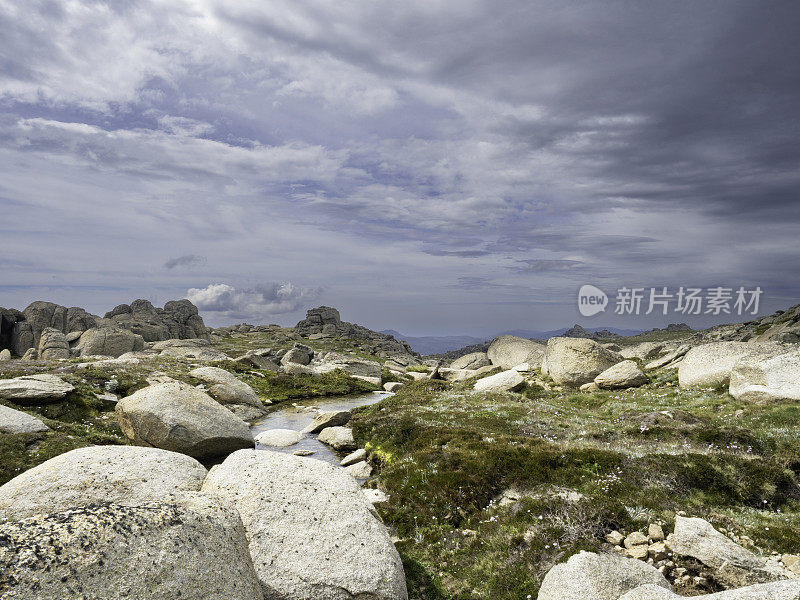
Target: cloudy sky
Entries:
(431, 166)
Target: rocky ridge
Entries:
(51, 331)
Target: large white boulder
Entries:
(733, 565)
(472, 361)
(507, 381)
(35, 389)
(126, 475)
(644, 350)
(312, 532)
(575, 361)
(589, 576)
(779, 590)
(508, 351)
(626, 374)
(190, 547)
(757, 378)
(231, 391)
(711, 364)
(16, 421)
(176, 416)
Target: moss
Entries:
(277, 387)
(22, 451)
(445, 454)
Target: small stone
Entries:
(791, 562)
(658, 551)
(376, 496)
(5, 355)
(303, 452)
(615, 537)
(637, 552)
(655, 532)
(360, 470)
(354, 457)
(637, 538)
(328, 419)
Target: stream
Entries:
(290, 415)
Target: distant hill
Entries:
(543, 335)
(446, 343)
(435, 344)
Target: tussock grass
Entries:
(446, 454)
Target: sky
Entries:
(430, 166)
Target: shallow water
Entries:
(287, 415)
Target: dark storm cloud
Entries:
(505, 146)
(187, 260)
(461, 253)
(543, 265)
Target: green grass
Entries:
(284, 338)
(446, 454)
(79, 420)
(277, 387)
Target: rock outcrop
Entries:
(126, 475)
(53, 345)
(22, 330)
(192, 546)
(108, 341)
(575, 361)
(325, 322)
(178, 417)
(179, 319)
(312, 532)
(781, 326)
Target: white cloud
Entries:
(261, 301)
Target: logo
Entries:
(591, 300)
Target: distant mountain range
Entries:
(431, 344)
